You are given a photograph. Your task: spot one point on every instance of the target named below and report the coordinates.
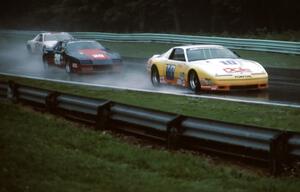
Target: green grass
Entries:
(146, 50)
(283, 118)
(136, 49)
(40, 152)
(272, 59)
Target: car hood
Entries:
(95, 54)
(50, 44)
(229, 67)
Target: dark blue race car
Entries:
(82, 56)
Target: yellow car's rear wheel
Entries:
(155, 76)
(194, 82)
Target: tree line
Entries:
(167, 16)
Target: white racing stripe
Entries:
(271, 103)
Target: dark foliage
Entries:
(178, 16)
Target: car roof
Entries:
(53, 33)
(199, 46)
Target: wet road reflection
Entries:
(14, 59)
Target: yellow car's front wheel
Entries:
(194, 82)
(155, 76)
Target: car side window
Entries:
(58, 46)
(40, 38)
(63, 46)
(177, 54)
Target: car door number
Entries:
(57, 59)
(170, 71)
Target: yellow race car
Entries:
(206, 67)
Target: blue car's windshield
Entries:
(76, 46)
(195, 54)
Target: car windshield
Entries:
(195, 54)
(57, 37)
(76, 46)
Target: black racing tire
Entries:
(68, 67)
(194, 83)
(43, 50)
(155, 77)
(45, 62)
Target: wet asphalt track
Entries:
(284, 85)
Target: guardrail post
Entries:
(12, 92)
(174, 132)
(51, 102)
(103, 116)
(279, 153)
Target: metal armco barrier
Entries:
(3, 90)
(34, 96)
(232, 134)
(143, 122)
(294, 146)
(289, 47)
(274, 148)
(233, 43)
(79, 108)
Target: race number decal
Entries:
(57, 58)
(170, 72)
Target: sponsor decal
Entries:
(214, 88)
(179, 82)
(57, 59)
(94, 53)
(181, 75)
(101, 56)
(183, 83)
(242, 76)
(205, 81)
(236, 70)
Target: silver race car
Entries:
(46, 40)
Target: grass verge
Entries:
(283, 118)
(40, 152)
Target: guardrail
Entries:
(288, 47)
(4, 90)
(274, 148)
